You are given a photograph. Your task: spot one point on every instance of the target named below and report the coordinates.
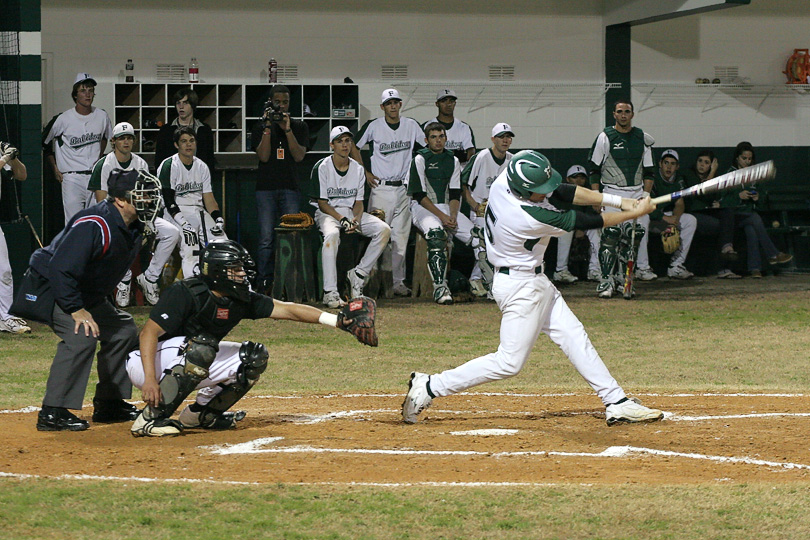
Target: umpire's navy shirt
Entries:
(85, 261)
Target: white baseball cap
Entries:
(389, 94)
(445, 93)
(502, 128)
(124, 128)
(575, 170)
(337, 131)
(85, 77)
(670, 153)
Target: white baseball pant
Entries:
(75, 195)
(167, 236)
(530, 304)
(635, 192)
(395, 202)
(370, 227)
(564, 249)
(222, 370)
(6, 279)
(190, 247)
(424, 220)
(477, 246)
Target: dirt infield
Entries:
(535, 439)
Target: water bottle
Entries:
(272, 70)
(193, 71)
(130, 69)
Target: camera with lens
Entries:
(272, 113)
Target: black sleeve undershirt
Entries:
(585, 221)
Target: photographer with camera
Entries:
(280, 142)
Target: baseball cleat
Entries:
(14, 325)
(226, 420)
(150, 289)
(477, 288)
(159, 427)
(605, 288)
(645, 274)
(630, 411)
(564, 276)
(594, 275)
(418, 397)
(679, 272)
(114, 410)
(59, 419)
(400, 289)
(333, 300)
(442, 296)
(356, 283)
(122, 293)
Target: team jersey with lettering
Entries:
(107, 164)
(340, 189)
(435, 174)
(78, 138)
(188, 182)
(518, 231)
(622, 157)
(459, 135)
(392, 146)
(482, 169)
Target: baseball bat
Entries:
(761, 172)
(627, 290)
(203, 227)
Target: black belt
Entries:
(505, 270)
(78, 172)
(395, 183)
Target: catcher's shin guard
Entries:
(254, 361)
(179, 381)
(437, 254)
(487, 270)
(608, 251)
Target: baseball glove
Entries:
(482, 208)
(357, 317)
(671, 239)
(301, 220)
(378, 213)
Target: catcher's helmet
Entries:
(140, 188)
(221, 265)
(530, 172)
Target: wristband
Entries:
(328, 319)
(216, 214)
(287, 130)
(611, 200)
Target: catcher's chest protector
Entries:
(624, 167)
(205, 310)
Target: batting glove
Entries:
(219, 228)
(189, 233)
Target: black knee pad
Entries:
(254, 359)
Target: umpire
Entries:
(82, 265)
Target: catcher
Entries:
(181, 348)
(677, 228)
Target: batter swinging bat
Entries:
(762, 172)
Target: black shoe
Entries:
(59, 419)
(112, 411)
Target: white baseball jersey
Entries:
(188, 183)
(518, 231)
(391, 149)
(459, 135)
(340, 189)
(481, 171)
(78, 138)
(107, 164)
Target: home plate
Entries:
(486, 432)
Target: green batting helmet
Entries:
(530, 172)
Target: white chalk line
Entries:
(257, 447)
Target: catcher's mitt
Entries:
(357, 317)
(301, 220)
(671, 238)
(482, 208)
(378, 213)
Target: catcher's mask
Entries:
(228, 268)
(140, 189)
(530, 172)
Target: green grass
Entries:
(727, 342)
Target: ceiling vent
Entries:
(170, 72)
(395, 72)
(501, 73)
(287, 72)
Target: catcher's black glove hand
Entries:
(357, 317)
